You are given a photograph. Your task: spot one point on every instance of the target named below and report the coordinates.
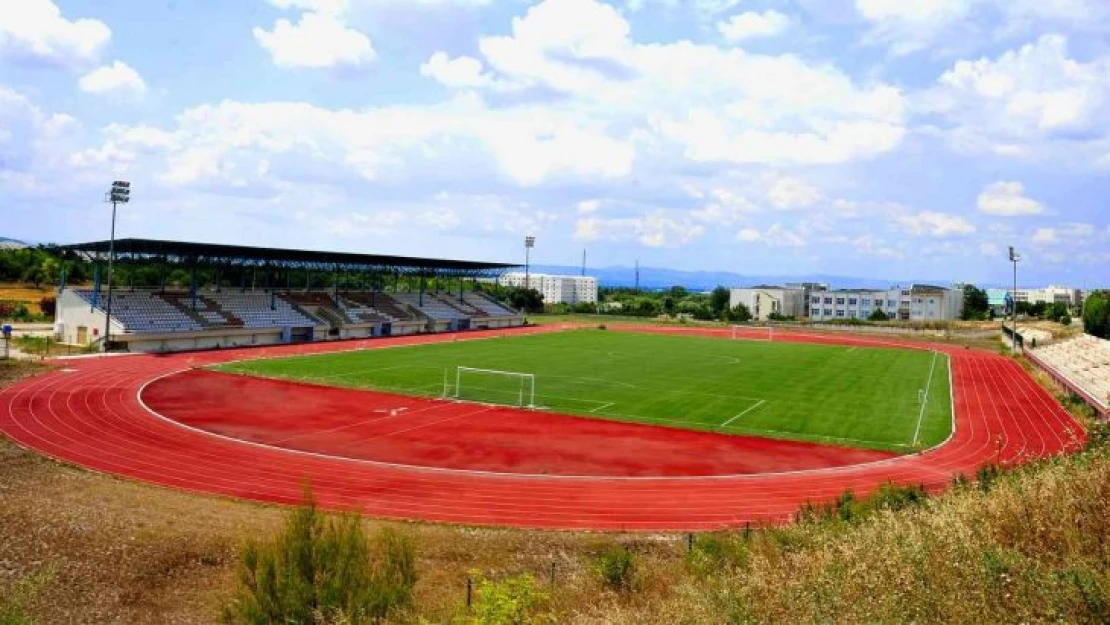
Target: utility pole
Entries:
(120, 193)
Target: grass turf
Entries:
(857, 396)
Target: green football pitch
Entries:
(856, 396)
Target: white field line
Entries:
(603, 406)
(757, 405)
(925, 400)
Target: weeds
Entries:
(323, 570)
(512, 601)
(616, 566)
(13, 600)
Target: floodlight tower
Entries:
(120, 193)
(529, 243)
(1014, 258)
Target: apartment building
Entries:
(555, 289)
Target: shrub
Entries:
(513, 601)
(616, 566)
(322, 569)
(1065, 320)
(601, 326)
(48, 305)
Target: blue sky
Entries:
(877, 138)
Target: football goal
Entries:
(511, 388)
(753, 333)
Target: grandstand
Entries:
(221, 314)
(1082, 364)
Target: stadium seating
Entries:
(174, 311)
(1085, 361)
(253, 307)
(487, 305)
(431, 306)
(144, 311)
(361, 307)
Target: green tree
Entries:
(740, 313)
(878, 315)
(718, 300)
(669, 305)
(528, 300)
(1096, 315)
(976, 303)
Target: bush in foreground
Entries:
(323, 570)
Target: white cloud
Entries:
(586, 207)
(789, 193)
(37, 29)
(725, 208)
(1045, 236)
(118, 76)
(328, 7)
(1007, 199)
(316, 41)
(909, 26)
(773, 109)
(934, 224)
(653, 229)
(1023, 100)
(775, 236)
(223, 144)
(463, 71)
(990, 250)
(751, 25)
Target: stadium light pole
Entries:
(529, 243)
(120, 193)
(1014, 258)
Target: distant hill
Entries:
(11, 244)
(659, 278)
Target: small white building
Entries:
(555, 289)
(764, 301)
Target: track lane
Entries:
(91, 417)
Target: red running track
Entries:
(88, 413)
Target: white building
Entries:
(919, 302)
(764, 301)
(1051, 295)
(555, 289)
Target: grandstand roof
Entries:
(183, 252)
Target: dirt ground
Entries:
(127, 552)
(25, 294)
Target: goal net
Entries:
(491, 386)
(753, 333)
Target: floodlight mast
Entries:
(529, 243)
(1014, 258)
(120, 193)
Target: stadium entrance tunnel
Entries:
(370, 426)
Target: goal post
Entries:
(493, 386)
(752, 333)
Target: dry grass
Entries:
(25, 294)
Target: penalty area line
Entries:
(751, 408)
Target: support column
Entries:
(96, 288)
(193, 285)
